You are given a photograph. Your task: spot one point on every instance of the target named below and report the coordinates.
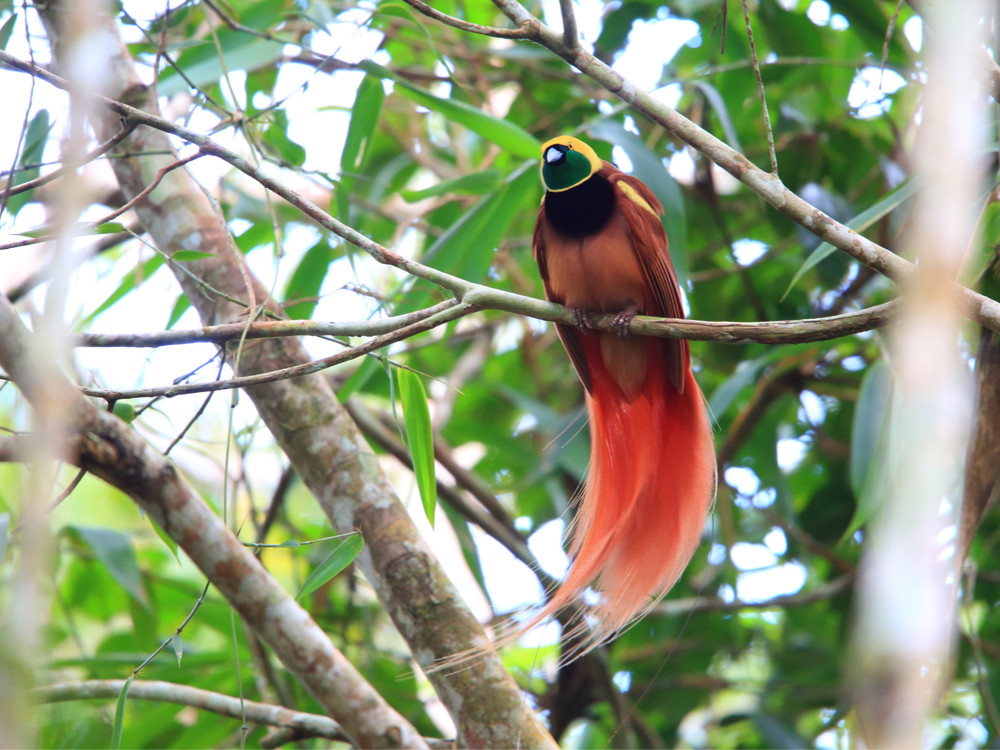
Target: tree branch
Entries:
(983, 310)
(108, 448)
(801, 331)
(303, 725)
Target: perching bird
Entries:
(601, 248)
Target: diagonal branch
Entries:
(108, 448)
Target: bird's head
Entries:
(566, 162)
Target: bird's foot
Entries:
(621, 322)
(582, 318)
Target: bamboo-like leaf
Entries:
(872, 463)
(131, 280)
(184, 256)
(116, 730)
(476, 183)
(859, 223)
(342, 556)
(419, 437)
(6, 30)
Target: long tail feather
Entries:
(650, 487)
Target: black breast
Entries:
(582, 210)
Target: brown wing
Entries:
(569, 335)
(649, 240)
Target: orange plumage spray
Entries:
(601, 248)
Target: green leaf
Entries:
(871, 466)
(419, 437)
(6, 30)
(114, 550)
(364, 119)
(241, 51)
(124, 411)
(360, 132)
(165, 538)
(307, 279)
(342, 556)
(180, 307)
(505, 134)
(109, 227)
(116, 730)
(277, 140)
(183, 256)
(717, 102)
(744, 375)
(859, 223)
(34, 147)
(130, 281)
(476, 183)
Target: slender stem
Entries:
(760, 89)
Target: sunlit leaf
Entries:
(343, 555)
(419, 437)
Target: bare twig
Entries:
(760, 89)
(114, 214)
(571, 35)
(127, 128)
(461, 25)
(457, 310)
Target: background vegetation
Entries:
(423, 138)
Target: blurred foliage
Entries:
(429, 146)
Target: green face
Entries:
(563, 168)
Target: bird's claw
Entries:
(621, 321)
(582, 318)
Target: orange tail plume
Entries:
(650, 487)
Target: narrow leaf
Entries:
(109, 227)
(364, 120)
(872, 462)
(859, 223)
(6, 30)
(476, 183)
(342, 556)
(165, 538)
(419, 437)
(180, 307)
(116, 731)
(130, 281)
(307, 279)
(183, 256)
